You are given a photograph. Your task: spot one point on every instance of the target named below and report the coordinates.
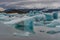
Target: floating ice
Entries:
(54, 23)
(55, 15)
(25, 22)
(49, 16)
(53, 32)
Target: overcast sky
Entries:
(29, 3)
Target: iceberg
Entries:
(55, 15)
(49, 16)
(54, 23)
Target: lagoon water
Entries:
(6, 33)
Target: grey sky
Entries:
(29, 3)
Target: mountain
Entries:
(21, 10)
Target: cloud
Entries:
(56, 4)
(31, 4)
(2, 9)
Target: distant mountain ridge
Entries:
(27, 10)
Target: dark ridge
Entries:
(21, 11)
(51, 10)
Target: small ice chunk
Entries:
(58, 26)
